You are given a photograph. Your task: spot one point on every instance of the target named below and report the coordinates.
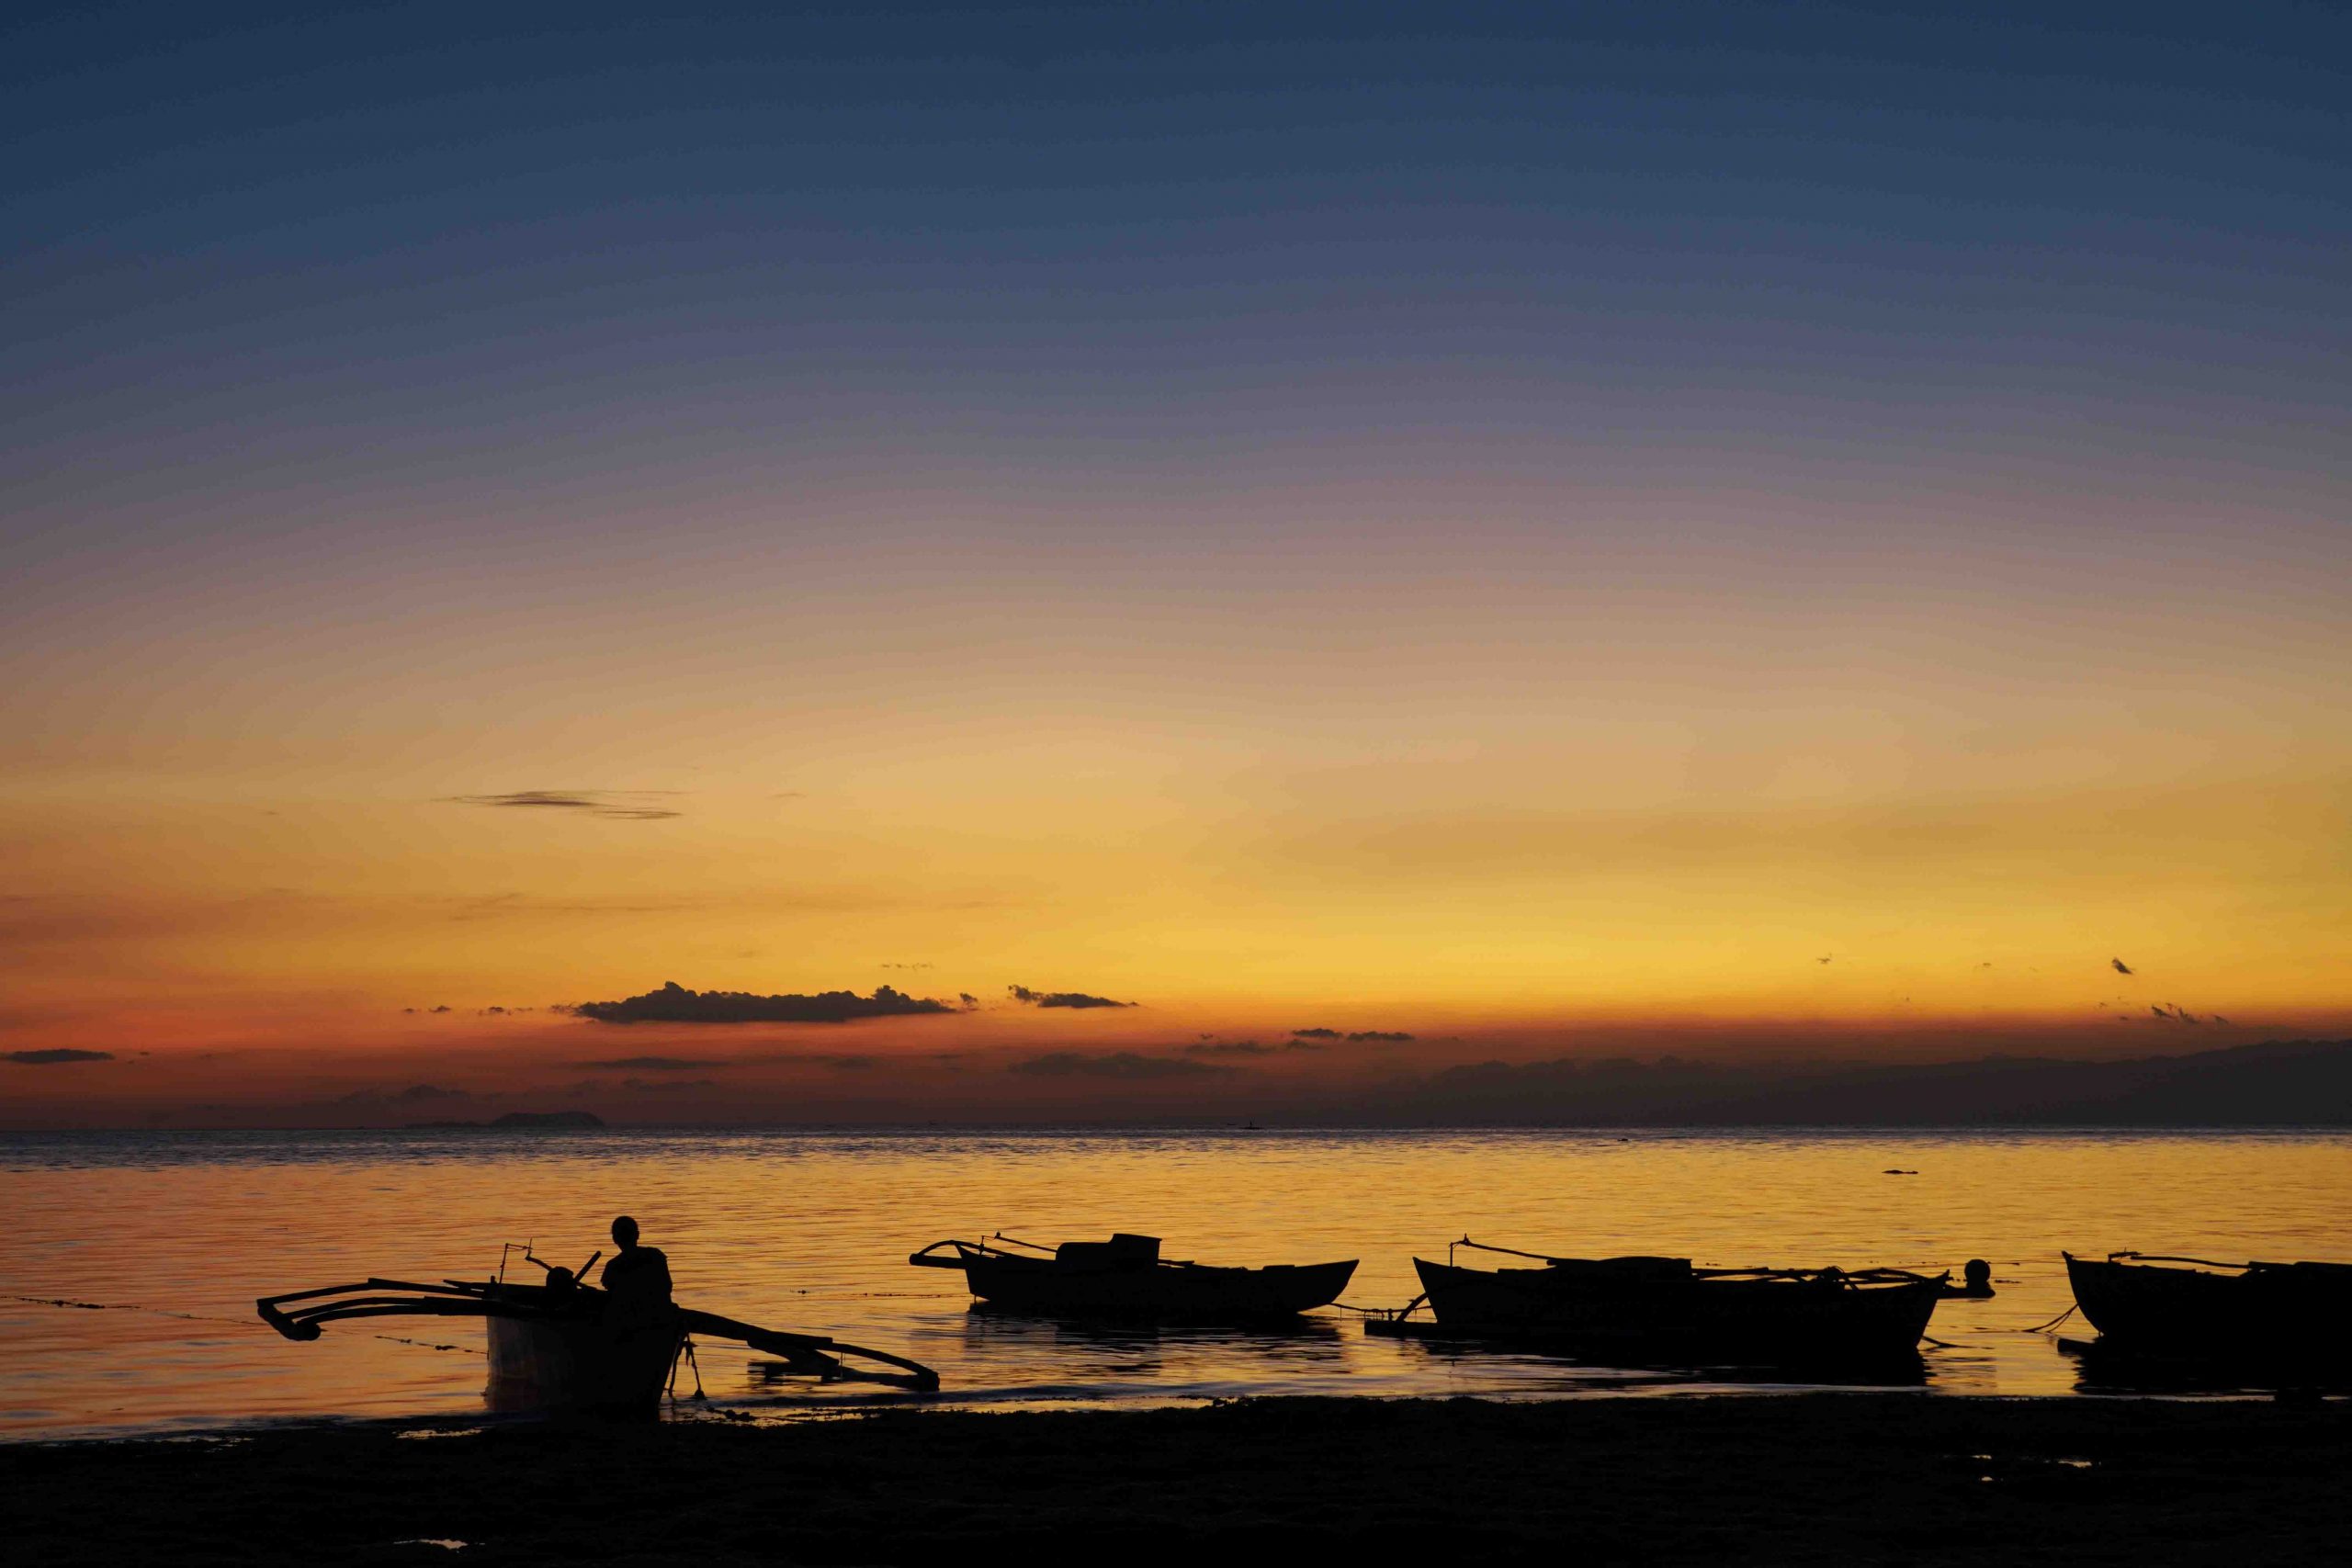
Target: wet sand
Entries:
(1817, 1478)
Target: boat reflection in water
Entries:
(1645, 1311)
(1563, 1369)
(1108, 1360)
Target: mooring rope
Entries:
(206, 1318)
(2046, 1327)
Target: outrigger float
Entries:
(566, 1347)
(1665, 1305)
(1126, 1276)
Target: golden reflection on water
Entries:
(811, 1231)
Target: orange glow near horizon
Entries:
(249, 955)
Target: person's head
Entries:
(625, 1232)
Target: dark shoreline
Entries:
(1829, 1477)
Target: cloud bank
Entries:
(676, 1004)
(57, 1057)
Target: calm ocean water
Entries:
(178, 1233)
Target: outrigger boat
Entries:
(1126, 1276)
(565, 1346)
(2196, 1308)
(1656, 1306)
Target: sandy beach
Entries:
(1817, 1477)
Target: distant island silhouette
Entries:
(514, 1119)
(2282, 1083)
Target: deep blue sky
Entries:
(464, 255)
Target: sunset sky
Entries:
(1753, 532)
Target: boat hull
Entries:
(579, 1367)
(1175, 1293)
(2286, 1311)
(1811, 1320)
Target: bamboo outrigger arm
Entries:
(814, 1353)
(334, 1303)
(931, 1258)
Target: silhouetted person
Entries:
(1977, 1278)
(636, 1278)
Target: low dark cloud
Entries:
(626, 805)
(1251, 1048)
(831, 1061)
(651, 1064)
(1231, 1048)
(1126, 1065)
(1061, 999)
(57, 1056)
(676, 1004)
(416, 1094)
(1360, 1037)
(1314, 1034)
(666, 1086)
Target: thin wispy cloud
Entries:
(651, 1064)
(625, 805)
(1061, 999)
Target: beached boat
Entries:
(1664, 1306)
(2192, 1306)
(1126, 1276)
(563, 1346)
